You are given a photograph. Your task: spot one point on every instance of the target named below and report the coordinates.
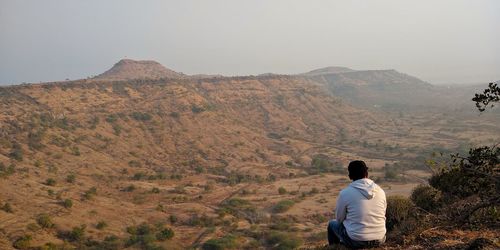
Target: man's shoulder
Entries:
(345, 190)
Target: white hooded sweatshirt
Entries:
(361, 207)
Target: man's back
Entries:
(361, 208)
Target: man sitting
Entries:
(359, 212)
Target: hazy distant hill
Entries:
(328, 70)
(390, 89)
(132, 69)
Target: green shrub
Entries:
(117, 129)
(87, 195)
(6, 171)
(50, 182)
(426, 197)
(142, 235)
(129, 188)
(35, 139)
(141, 116)
(155, 190)
(196, 109)
(101, 225)
(399, 209)
(134, 163)
(283, 206)
(283, 241)
(226, 242)
(70, 178)
(77, 233)
(67, 203)
(23, 242)
(44, 221)
(173, 219)
(17, 152)
(282, 190)
(75, 151)
(7, 208)
(165, 234)
(111, 118)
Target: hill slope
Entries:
(212, 153)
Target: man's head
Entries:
(357, 170)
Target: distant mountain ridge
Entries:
(328, 70)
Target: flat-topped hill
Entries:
(132, 69)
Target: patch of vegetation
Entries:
(89, 194)
(50, 182)
(282, 190)
(321, 164)
(426, 197)
(117, 129)
(112, 118)
(283, 241)
(7, 208)
(173, 219)
(67, 203)
(197, 109)
(165, 234)
(129, 188)
(144, 236)
(6, 171)
(77, 233)
(174, 114)
(139, 116)
(226, 242)
(23, 242)
(70, 178)
(35, 139)
(238, 208)
(75, 150)
(16, 152)
(101, 225)
(283, 206)
(134, 164)
(398, 210)
(44, 221)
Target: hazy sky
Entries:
(440, 41)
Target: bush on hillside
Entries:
(426, 197)
(139, 116)
(283, 206)
(23, 242)
(50, 182)
(226, 242)
(67, 203)
(283, 241)
(473, 177)
(7, 208)
(398, 210)
(17, 152)
(44, 221)
(101, 225)
(6, 171)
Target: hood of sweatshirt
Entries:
(365, 186)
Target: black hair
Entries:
(357, 170)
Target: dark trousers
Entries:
(337, 234)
